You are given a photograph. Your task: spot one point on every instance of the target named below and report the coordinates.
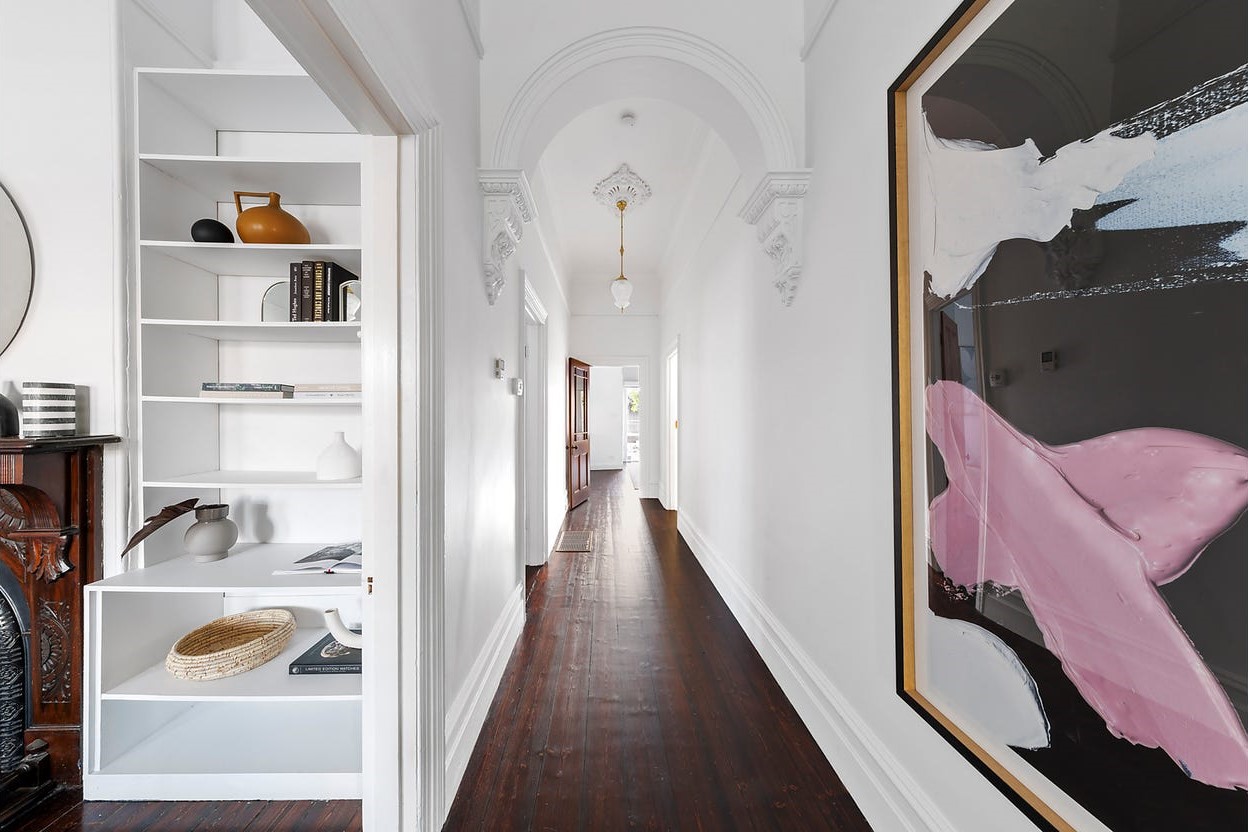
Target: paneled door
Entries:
(578, 432)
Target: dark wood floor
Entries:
(65, 812)
(634, 700)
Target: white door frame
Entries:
(533, 475)
(671, 431)
(403, 420)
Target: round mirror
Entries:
(17, 269)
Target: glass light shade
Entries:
(622, 291)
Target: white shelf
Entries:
(233, 751)
(338, 402)
(298, 182)
(253, 259)
(250, 479)
(249, 568)
(271, 681)
(247, 100)
(267, 331)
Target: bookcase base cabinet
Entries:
(260, 735)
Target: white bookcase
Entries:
(199, 135)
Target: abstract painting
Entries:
(1070, 238)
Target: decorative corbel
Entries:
(775, 209)
(508, 208)
(31, 528)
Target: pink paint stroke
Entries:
(1086, 532)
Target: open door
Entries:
(578, 432)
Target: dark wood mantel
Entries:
(50, 496)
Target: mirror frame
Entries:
(30, 248)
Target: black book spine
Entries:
(305, 291)
(337, 276)
(318, 291)
(296, 273)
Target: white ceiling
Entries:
(663, 147)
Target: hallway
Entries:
(634, 699)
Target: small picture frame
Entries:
(351, 300)
(275, 304)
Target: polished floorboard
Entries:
(65, 812)
(634, 700)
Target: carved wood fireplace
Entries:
(50, 495)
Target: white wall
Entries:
(58, 152)
(606, 418)
(808, 567)
(627, 339)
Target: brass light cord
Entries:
(621, 205)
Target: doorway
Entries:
(672, 430)
(615, 417)
(578, 432)
(533, 474)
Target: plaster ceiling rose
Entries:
(622, 185)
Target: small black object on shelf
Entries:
(10, 424)
(211, 231)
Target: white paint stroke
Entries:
(1198, 176)
(974, 196)
(984, 679)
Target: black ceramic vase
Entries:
(211, 231)
(9, 422)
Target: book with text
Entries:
(343, 558)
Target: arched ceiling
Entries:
(667, 146)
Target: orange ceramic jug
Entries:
(268, 223)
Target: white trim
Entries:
(669, 496)
(424, 742)
(533, 305)
(887, 794)
(383, 506)
(813, 33)
(473, 22)
(320, 41)
(467, 713)
(779, 151)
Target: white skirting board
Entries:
(466, 714)
(883, 789)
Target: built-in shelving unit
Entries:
(199, 135)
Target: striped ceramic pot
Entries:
(48, 409)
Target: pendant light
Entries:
(621, 289)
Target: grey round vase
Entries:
(212, 534)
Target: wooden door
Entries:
(578, 433)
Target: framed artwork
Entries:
(1070, 229)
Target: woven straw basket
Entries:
(230, 645)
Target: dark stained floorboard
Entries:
(635, 701)
(65, 812)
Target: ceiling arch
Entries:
(649, 62)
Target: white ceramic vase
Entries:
(212, 534)
(339, 461)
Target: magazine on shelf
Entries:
(327, 656)
(343, 558)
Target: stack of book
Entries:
(316, 291)
(231, 390)
(327, 391)
(258, 390)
